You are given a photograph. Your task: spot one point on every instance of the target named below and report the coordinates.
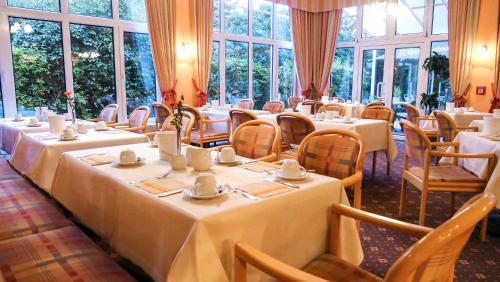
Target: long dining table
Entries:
(177, 238)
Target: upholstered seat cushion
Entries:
(254, 142)
(332, 268)
(64, 254)
(195, 135)
(18, 192)
(446, 174)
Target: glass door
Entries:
(372, 75)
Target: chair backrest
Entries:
(187, 124)
(161, 113)
(294, 127)
(109, 113)
(256, 138)
(246, 104)
(417, 144)
(197, 115)
(446, 126)
(412, 113)
(293, 102)
(433, 257)
(379, 113)
(239, 117)
(274, 107)
(332, 152)
(139, 117)
(375, 104)
(332, 107)
(314, 110)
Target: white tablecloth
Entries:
(176, 238)
(473, 143)
(38, 159)
(461, 119)
(353, 110)
(223, 115)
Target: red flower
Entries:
(68, 93)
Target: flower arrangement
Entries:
(177, 122)
(70, 100)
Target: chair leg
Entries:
(402, 199)
(357, 196)
(484, 225)
(374, 164)
(388, 167)
(423, 206)
(452, 203)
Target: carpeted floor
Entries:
(478, 261)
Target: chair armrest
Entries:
(445, 144)
(462, 156)
(473, 128)
(121, 124)
(94, 119)
(133, 128)
(280, 162)
(353, 179)
(270, 158)
(213, 120)
(426, 118)
(401, 226)
(151, 134)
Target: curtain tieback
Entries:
(170, 96)
(307, 93)
(203, 96)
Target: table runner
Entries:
(179, 239)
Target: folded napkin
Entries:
(159, 186)
(264, 189)
(47, 137)
(260, 167)
(96, 160)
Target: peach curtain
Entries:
(463, 16)
(316, 6)
(161, 24)
(314, 40)
(202, 15)
(495, 101)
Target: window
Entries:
(216, 19)
(262, 72)
(285, 74)
(262, 18)
(236, 60)
(213, 85)
(342, 72)
(372, 75)
(46, 5)
(440, 17)
(348, 25)
(374, 20)
(37, 57)
(132, 10)
(440, 83)
(410, 16)
(93, 68)
(93, 8)
(236, 16)
(140, 77)
(1, 100)
(283, 31)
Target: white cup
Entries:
(154, 142)
(291, 168)
(470, 109)
(81, 128)
(127, 156)
(201, 159)
(68, 133)
(18, 117)
(56, 123)
(227, 154)
(496, 113)
(34, 121)
(205, 184)
(347, 118)
(320, 116)
(100, 125)
(189, 155)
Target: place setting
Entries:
(34, 122)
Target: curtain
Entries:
(463, 16)
(314, 39)
(161, 24)
(202, 16)
(316, 6)
(495, 86)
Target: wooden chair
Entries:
(447, 127)
(161, 113)
(314, 109)
(275, 107)
(447, 178)
(137, 120)
(239, 117)
(187, 125)
(294, 128)
(375, 104)
(293, 102)
(339, 99)
(108, 114)
(256, 139)
(336, 153)
(332, 107)
(432, 258)
(200, 135)
(379, 113)
(414, 116)
(246, 104)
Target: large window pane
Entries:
(285, 74)
(216, 19)
(236, 71)
(1, 100)
(140, 77)
(283, 23)
(440, 17)
(374, 20)
(341, 76)
(372, 75)
(214, 83)
(410, 16)
(262, 74)
(133, 10)
(440, 83)
(93, 68)
(45, 5)
(348, 25)
(93, 8)
(37, 54)
(236, 16)
(262, 18)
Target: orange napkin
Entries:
(260, 167)
(264, 189)
(98, 159)
(158, 186)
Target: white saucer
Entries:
(189, 191)
(237, 160)
(303, 175)
(102, 129)
(34, 125)
(139, 161)
(68, 139)
(348, 122)
(18, 120)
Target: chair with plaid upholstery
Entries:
(432, 258)
(294, 128)
(293, 102)
(314, 106)
(108, 114)
(375, 104)
(413, 115)
(137, 120)
(379, 113)
(256, 139)
(201, 133)
(450, 178)
(187, 126)
(275, 107)
(161, 113)
(246, 104)
(239, 117)
(447, 127)
(332, 107)
(335, 153)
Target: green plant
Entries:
(429, 102)
(177, 122)
(438, 67)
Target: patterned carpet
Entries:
(479, 261)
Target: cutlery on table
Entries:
(286, 184)
(245, 194)
(152, 178)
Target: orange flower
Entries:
(68, 93)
